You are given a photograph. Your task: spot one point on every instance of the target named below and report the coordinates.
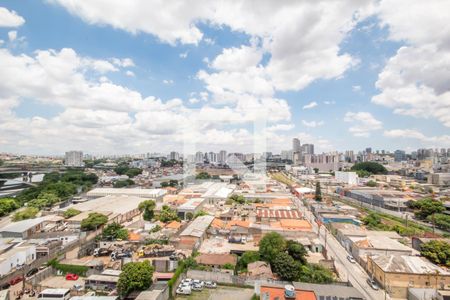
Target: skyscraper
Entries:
(222, 159)
(307, 149)
(74, 159)
(296, 145)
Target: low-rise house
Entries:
(363, 247)
(397, 273)
(218, 261)
(259, 270)
(23, 229)
(192, 236)
(280, 292)
(188, 209)
(16, 257)
(330, 291)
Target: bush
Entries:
(8, 205)
(93, 221)
(71, 212)
(437, 251)
(27, 213)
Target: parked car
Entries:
(198, 282)
(77, 287)
(183, 290)
(71, 276)
(5, 286)
(197, 287)
(187, 280)
(351, 259)
(372, 283)
(15, 280)
(210, 284)
(32, 272)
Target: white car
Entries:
(183, 290)
(351, 259)
(197, 287)
(198, 282)
(210, 284)
(187, 280)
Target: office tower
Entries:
(74, 159)
(174, 155)
(199, 159)
(296, 145)
(399, 155)
(307, 149)
(369, 150)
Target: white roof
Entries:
(55, 291)
(150, 193)
(191, 204)
(304, 190)
(198, 227)
(22, 226)
(117, 204)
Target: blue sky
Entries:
(331, 74)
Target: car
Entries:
(77, 287)
(71, 276)
(5, 286)
(210, 284)
(183, 291)
(372, 283)
(32, 272)
(351, 259)
(198, 282)
(187, 280)
(197, 287)
(15, 280)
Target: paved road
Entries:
(347, 271)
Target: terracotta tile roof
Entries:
(240, 223)
(217, 223)
(282, 201)
(295, 224)
(134, 236)
(278, 213)
(173, 225)
(216, 259)
(278, 293)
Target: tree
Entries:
(438, 251)
(132, 172)
(427, 207)
(189, 216)
(203, 175)
(167, 214)
(441, 220)
(8, 205)
(115, 231)
(247, 258)
(297, 251)
(93, 221)
(369, 166)
(135, 276)
(318, 195)
(71, 212)
(271, 245)
(228, 266)
(286, 267)
(27, 213)
(200, 213)
(122, 183)
(45, 199)
(147, 207)
(313, 273)
(371, 183)
(237, 198)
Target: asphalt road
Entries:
(347, 271)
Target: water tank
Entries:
(289, 291)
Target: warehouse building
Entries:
(154, 194)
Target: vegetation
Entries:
(122, 183)
(371, 167)
(155, 229)
(203, 175)
(71, 212)
(437, 251)
(147, 207)
(115, 231)
(440, 220)
(65, 268)
(124, 169)
(247, 258)
(239, 199)
(45, 199)
(8, 205)
(371, 183)
(167, 214)
(171, 183)
(426, 207)
(93, 221)
(281, 177)
(318, 194)
(288, 260)
(135, 276)
(200, 213)
(27, 213)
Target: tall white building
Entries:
(199, 158)
(296, 145)
(307, 149)
(74, 159)
(222, 158)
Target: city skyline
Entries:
(139, 82)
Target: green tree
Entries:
(369, 166)
(115, 231)
(240, 199)
(363, 173)
(438, 251)
(228, 266)
(203, 175)
(147, 207)
(45, 199)
(271, 245)
(318, 194)
(122, 183)
(286, 267)
(247, 258)
(132, 172)
(427, 207)
(167, 214)
(27, 213)
(441, 220)
(313, 273)
(372, 220)
(93, 221)
(135, 276)
(8, 205)
(297, 251)
(371, 183)
(71, 212)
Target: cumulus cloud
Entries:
(310, 105)
(363, 122)
(414, 81)
(312, 124)
(129, 73)
(427, 141)
(9, 18)
(12, 35)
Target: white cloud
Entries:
(10, 18)
(414, 81)
(123, 62)
(237, 59)
(312, 124)
(356, 88)
(168, 81)
(129, 73)
(329, 102)
(280, 127)
(12, 35)
(184, 55)
(427, 141)
(310, 105)
(364, 123)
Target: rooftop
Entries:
(117, 204)
(379, 242)
(191, 204)
(277, 293)
(198, 227)
(407, 264)
(22, 226)
(331, 291)
(216, 259)
(127, 191)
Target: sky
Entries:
(139, 76)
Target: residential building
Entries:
(216, 260)
(192, 236)
(441, 179)
(188, 209)
(399, 155)
(16, 257)
(307, 149)
(281, 292)
(332, 292)
(74, 159)
(349, 178)
(222, 157)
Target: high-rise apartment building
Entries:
(74, 159)
(307, 149)
(399, 155)
(222, 158)
(296, 145)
